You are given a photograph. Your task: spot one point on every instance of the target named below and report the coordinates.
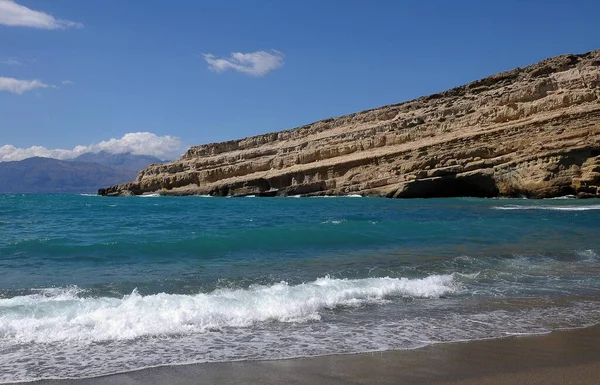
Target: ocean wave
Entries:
(590, 255)
(55, 315)
(403, 330)
(333, 221)
(563, 197)
(337, 196)
(555, 208)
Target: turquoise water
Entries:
(93, 285)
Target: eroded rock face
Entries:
(532, 131)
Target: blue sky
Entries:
(105, 68)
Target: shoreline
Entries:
(560, 357)
(323, 194)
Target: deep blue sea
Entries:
(94, 285)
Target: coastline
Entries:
(531, 131)
(560, 357)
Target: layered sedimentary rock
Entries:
(531, 131)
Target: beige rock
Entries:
(532, 131)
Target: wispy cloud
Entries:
(257, 63)
(17, 15)
(17, 86)
(137, 143)
(13, 61)
(67, 83)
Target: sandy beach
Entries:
(563, 357)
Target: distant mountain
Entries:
(126, 161)
(82, 175)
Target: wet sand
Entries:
(564, 357)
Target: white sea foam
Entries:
(338, 196)
(63, 315)
(555, 208)
(563, 197)
(333, 221)
(41, 295)
(153, 195)
(388, 328)
(588, 254)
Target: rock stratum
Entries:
(532, 131)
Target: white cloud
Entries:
(257, 63)
(67, 83)
(20, 86)
(13, 61)
(10, 61)
(137, 143)
(16, 15)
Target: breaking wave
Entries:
(54, 315)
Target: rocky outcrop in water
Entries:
(531, 131)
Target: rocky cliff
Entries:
(531, 131)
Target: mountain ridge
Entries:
(532, 131)
(48, 175)
(120, 161)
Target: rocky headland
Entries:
(532, 131)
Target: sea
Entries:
(92, 285)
